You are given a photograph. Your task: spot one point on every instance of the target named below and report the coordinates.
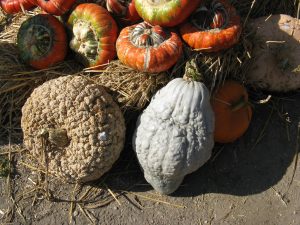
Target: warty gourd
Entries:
(175, 133)
(82, 127)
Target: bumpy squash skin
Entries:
(174, 134)
(167, 13)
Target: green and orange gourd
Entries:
(42, 41)
(94, 34)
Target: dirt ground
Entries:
(255, 180)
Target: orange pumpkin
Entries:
(212, 27)
(148, 48)
(232, 111)
(94, 34)
(15, 6)
(56, 7)
(42, 41)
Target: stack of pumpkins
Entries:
(176, 133)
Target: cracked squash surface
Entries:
(82, 126)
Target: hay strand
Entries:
(131, 89)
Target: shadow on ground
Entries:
(242, 168)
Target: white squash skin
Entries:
(174, 134)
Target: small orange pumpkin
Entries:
(213, 27)
(15, 6)
(42, 41)
(233, 112)
(148, 48)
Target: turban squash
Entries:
(15, 6)
(124, 11)
(94, 33)
(42, 41)
(148, 48)
(214, 26)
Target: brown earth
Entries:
(247, 182)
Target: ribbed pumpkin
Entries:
(148, 48)
(233, 112)
(15, 6)
(94, 34)
(214, 26)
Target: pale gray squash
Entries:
(174, 134)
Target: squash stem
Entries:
(192, 72)
(57, 137)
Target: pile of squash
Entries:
(176, 133)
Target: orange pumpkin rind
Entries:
(15, 6)
(148, 48)
(220, 35)
(232, 110)
(42, 41)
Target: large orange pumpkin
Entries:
(232, 111)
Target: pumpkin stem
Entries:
(241, 103)
(57, 137)
(192, 72)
